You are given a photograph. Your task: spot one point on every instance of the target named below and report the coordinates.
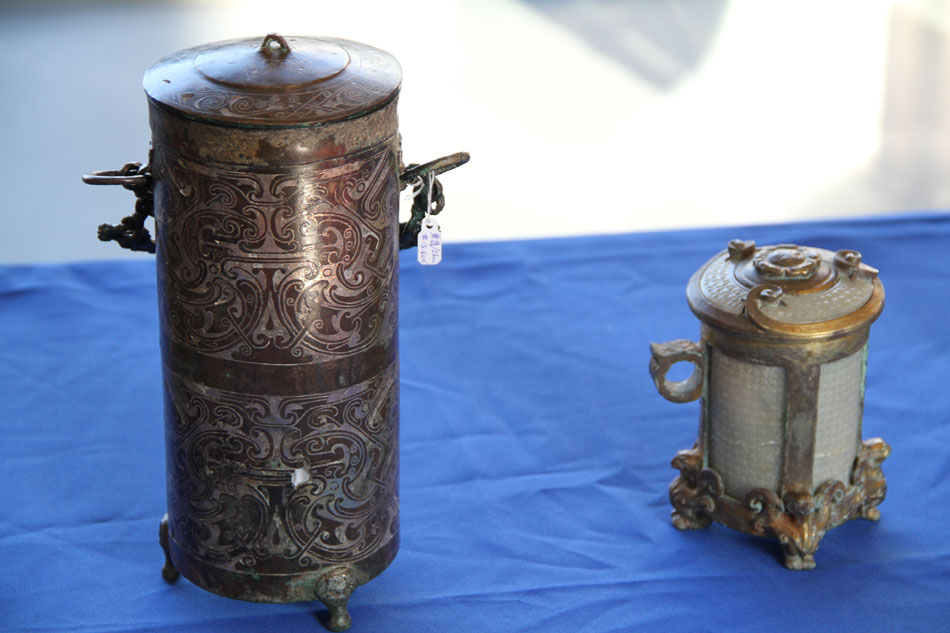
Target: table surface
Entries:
(535, 451)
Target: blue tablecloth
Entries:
(535, 451)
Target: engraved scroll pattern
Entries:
(232, 498)
(341, 97)
(288, 267)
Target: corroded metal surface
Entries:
(277, 259)
(785, 315)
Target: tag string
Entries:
(415, 188)
(431, 179)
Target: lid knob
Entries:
(275, 44)
(849, 262)
(740, 249)
(787, 261)
(271, 66)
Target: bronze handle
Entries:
(665, 355)
(127, 176)
(131, 232)
(409, 230)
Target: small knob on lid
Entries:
(271, 66)
(274, 43)
(849, 262)
(741, 249)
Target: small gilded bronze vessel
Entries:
(274, 181)
(780, 368)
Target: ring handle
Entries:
(130, 233)
(409, 230)
(665, 355)
(267, 46)
(129, 176)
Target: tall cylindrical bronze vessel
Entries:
(274, 180)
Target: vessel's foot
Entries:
(869, 477)
(798, 562)
(169, 573)
(871, 514)
(334, 590)
(695, 493)
(688, 520)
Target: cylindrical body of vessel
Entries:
(781, 372)
(277, 297)
(275, 174)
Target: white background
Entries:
(582, 116)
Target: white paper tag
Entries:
(429, 246)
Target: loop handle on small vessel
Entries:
(665, 355)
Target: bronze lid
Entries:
(785, 291)
(275, 81)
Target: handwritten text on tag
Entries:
(429, 251)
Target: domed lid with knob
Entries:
(275, 81)
(786, 291)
